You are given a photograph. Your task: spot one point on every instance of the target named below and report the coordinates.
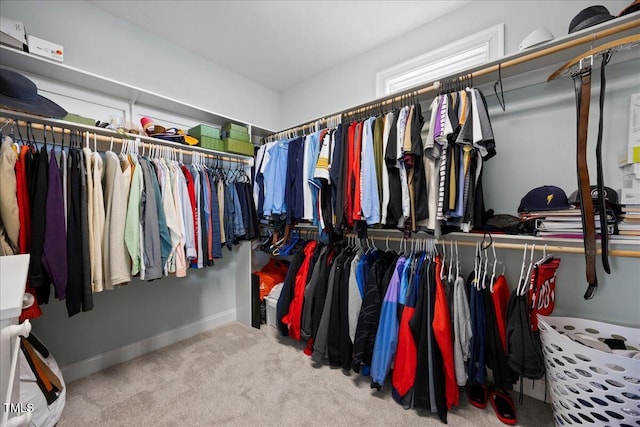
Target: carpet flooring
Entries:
(239, 376)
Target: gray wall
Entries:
(97, 42)
(353, 82)
(535, 136)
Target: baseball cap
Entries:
(545, 198)
(610, 195)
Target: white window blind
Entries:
(453, 58)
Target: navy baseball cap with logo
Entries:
(545, 198)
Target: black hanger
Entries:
(497, 84)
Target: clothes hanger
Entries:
(476, 262)
(493, 270)
(457, 261)
(522, 268)
(497, 84)
(527, 277)
(618, 43)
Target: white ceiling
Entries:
(278, 43)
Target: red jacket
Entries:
(294, 317)
(444, 337)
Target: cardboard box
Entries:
(238, 147)
(12, 33)
(236, 128)
(240, 136)
(45, 48)
(204, 130)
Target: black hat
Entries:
(18, 93)
(610, 195)
(545, 198)
(593, 15)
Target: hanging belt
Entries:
(582, 84)
(602, 208)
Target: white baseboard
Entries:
(102, 361)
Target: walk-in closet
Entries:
(319, 212)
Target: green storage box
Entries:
(212, 143)
(239, 147)
(76, 118)
(204, 130)
(236, 128)
(240, 136)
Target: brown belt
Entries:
(582, 84)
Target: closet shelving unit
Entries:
(136, 99)
(74, 77)
(519, 70)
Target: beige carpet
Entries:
(239, 376)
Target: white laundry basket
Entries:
(589, 386)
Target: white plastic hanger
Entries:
(522, 268)
(528, 276)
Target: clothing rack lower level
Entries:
(500, 241)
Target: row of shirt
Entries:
(92, 220)
(390, 170)
(408, 318)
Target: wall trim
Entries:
(102, 361)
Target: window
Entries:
(453, 58)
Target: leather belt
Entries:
(602, 208)
(582, 85)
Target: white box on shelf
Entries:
(45, 48)
(633, 169)
(630, 182)
(629, 197)
(12, 33)
(633, 145)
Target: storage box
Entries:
(236, 128)
(204, 130)
(238, 147)
(633, 143)
(240, 136)
(629, 197)
(76, 118)
(212, 143)
(45, 48)
(271, 304)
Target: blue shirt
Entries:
(370, 202)
(275, 175)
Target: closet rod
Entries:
(434, 86)
(539, 246)
(104, 135)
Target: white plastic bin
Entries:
(271, 301)
(590, 386)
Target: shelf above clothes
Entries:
(107, 135)
(21, 61)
